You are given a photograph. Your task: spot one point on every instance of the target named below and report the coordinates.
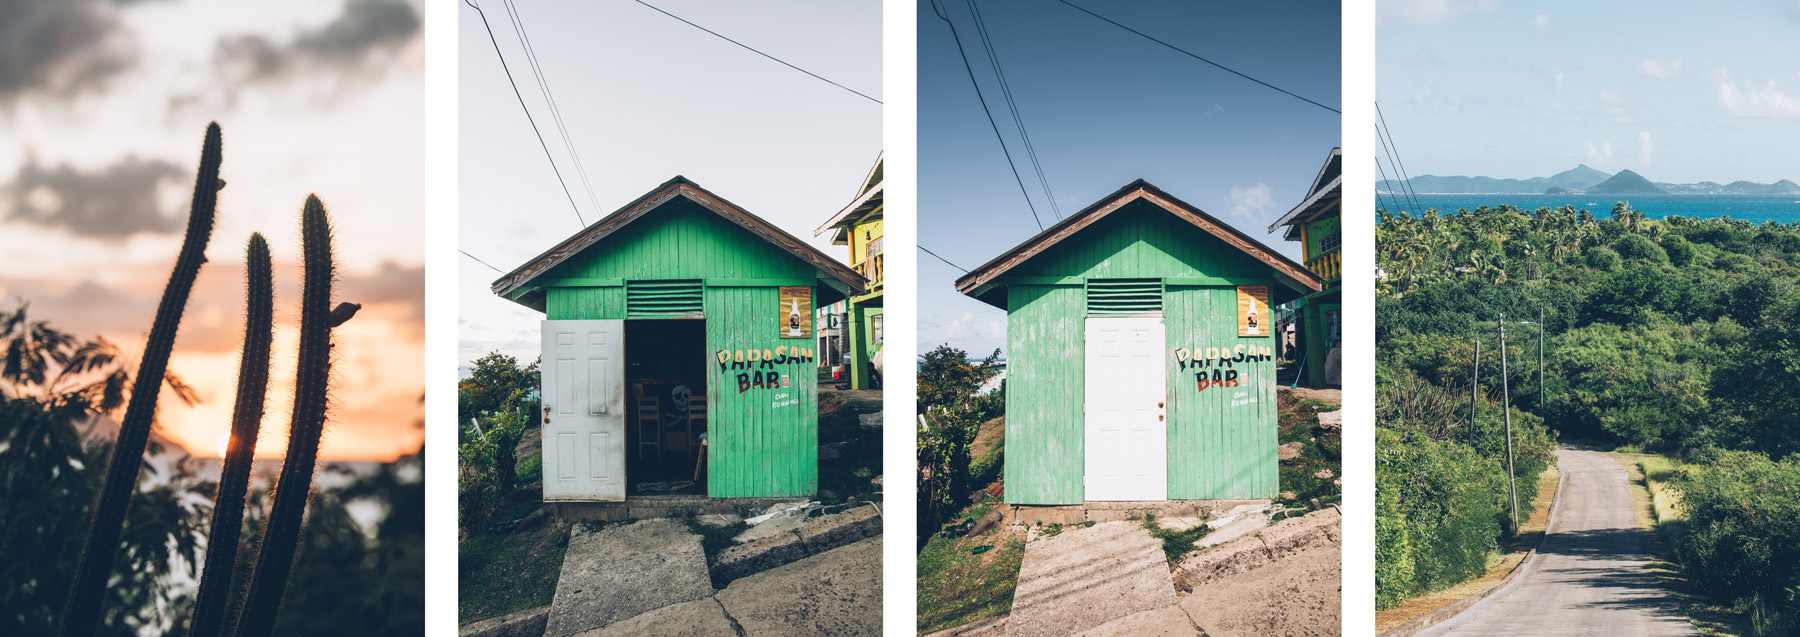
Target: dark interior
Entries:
(665, 375)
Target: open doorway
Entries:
(666, 420)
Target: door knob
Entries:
(1159, 405)
(1159, 417)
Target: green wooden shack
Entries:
(679, 354)
(1140, 365)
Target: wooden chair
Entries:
(649, 423)
(697, 423)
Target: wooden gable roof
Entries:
(520, 279)
(1326, 192)
(1293, 275)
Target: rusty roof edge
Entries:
(655, 198)
(801, 250)
(968, 281)
(506, 284)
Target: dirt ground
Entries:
(1299, 595)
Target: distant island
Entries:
(1583, 179)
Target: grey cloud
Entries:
(114, 202)
(364, 27)
(60, 48)
(393, 283)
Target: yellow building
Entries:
(858, 226)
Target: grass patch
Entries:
(1659, 471)
(1176, 543)
(1321, 450)
(957, 585)
(501, 573)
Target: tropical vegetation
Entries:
(1678, 336)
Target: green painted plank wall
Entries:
(680, 240)
(1044, 427)
(1141, 241)
(1222, 440)
(584, 303)
(762, 441)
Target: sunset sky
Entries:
(100, 131)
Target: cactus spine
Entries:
(281, 536)
(81, 614)
(246, 421)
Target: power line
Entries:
(990, 118)
(753, 50)
(1391, 197)
(534, 127)
(1390, 156)
(1011, 105)
(478, 260)
(1400, 166)
(1185, 52)
(518, 20)
(946, 261)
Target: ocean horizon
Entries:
(1753, 208)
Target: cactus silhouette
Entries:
(246, 421)
(81, 614)
(281, 536)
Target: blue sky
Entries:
(1674, 91)
(1104, 107)
(645, 98)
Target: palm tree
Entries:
(30, 347)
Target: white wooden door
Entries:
(584, 409)
(1127, 455)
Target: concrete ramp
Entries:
(1083, 578)
(624, 571)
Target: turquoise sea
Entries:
(1752, 208)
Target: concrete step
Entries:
(1083, 578)
(812, 537)
(834, 593)
(623, 571)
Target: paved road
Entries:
(1591, 576)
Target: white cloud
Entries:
(1541, 22)
(1215, 109)
(1661, 70)
(1749, 100)
(1646, 148)
(1429, 11)
(1423, 96)
(1250, 205)
(1559, 77)
(1599, 155)
(1615, 106)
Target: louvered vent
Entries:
(662, 299)
(1124, 297)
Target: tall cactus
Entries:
(281, 535)
(81, 614)
(246, 422)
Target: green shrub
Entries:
(1447, 502)
(1742, 539)
(1681, 253)
(1639, 247)
(1602, 258)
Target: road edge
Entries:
(1448, 612)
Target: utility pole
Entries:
(1543, 408)
(1474, 388)
(1506, 409)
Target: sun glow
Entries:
(224, 444)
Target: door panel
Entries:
(1126, 389)
(584, 410)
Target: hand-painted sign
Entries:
(756, 368)
(796, 311)
(1217, 366)
(1253, 310)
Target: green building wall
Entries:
(762, 442)
(1217, 450)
